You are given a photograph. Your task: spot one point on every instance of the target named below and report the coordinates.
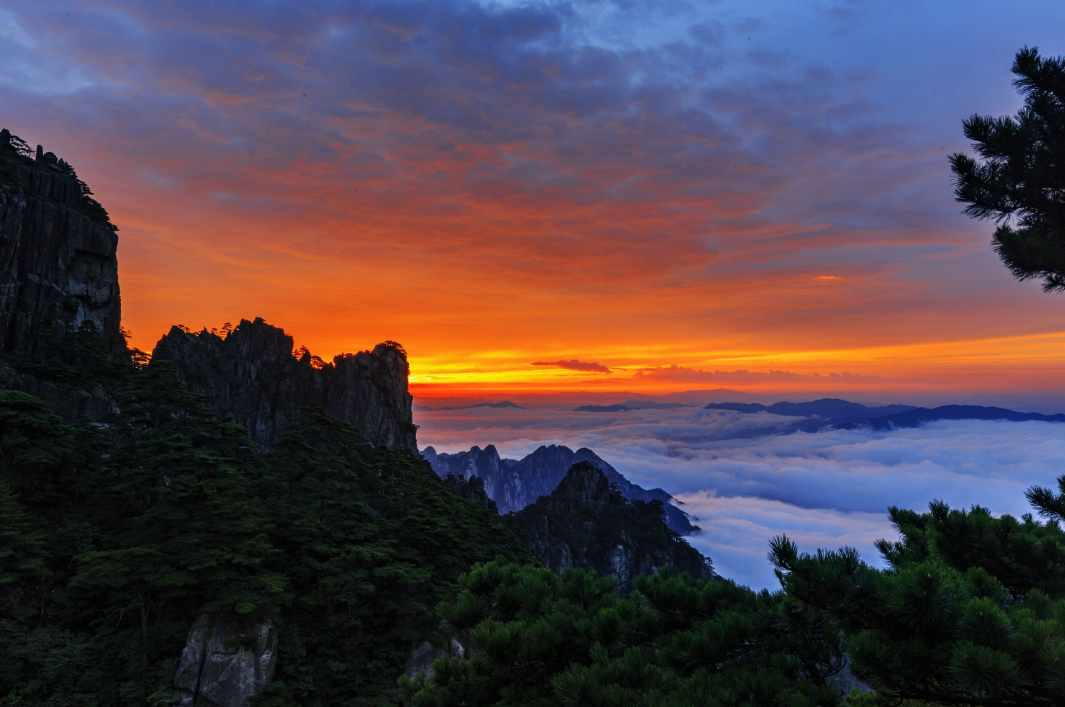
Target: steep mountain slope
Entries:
(251, 376)
(164, 542)
(514, 484)
(586, 523)
(58, 263)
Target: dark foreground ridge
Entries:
(514, 484)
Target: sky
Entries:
(606, 195)
(746, 479)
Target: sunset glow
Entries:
(710, 201)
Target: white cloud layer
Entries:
(746, 478)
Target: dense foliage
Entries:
(545, 639)
(115, 536)
(1020, 180)
(970, 612)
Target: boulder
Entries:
(423, 655)
(225, 662)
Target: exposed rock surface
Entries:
(514, 484)
(224, 665)
(425, 653)
(586, 523)
(252, 377)
(58, 266)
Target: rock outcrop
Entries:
(586, 523)
(58, 254)
(251, 376)
(423, 655)
(225, 665)
(514, 484)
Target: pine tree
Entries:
(23, 558)
(545, 639)
(970, 612)
(1019, 180)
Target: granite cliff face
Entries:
(514, 484)
(225, 664)
(586, 523)
(58, 254)
(251, 376)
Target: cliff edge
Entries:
(251, 376)
(58, 254)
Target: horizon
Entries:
(755, 211)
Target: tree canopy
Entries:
(1018, 179)
(971, 610)
(544, 640)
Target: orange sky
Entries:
(689, 203)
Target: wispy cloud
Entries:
(575, 365)
(683, 374)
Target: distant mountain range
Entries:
(516, 483)
(502, 404)
(842, 414)
(824, 408)
(630, 405)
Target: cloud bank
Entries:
(749, 477)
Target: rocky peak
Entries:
(584, 490)
(514, 484)
(251, 376)
(58, 254)
(586, 523)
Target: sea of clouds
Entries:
(747, 478)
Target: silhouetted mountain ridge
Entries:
(917, 416)
(824, 408)
(514, 484)
(501, 404)
(630, 405)
(842, 414)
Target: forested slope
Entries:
(119, 533)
